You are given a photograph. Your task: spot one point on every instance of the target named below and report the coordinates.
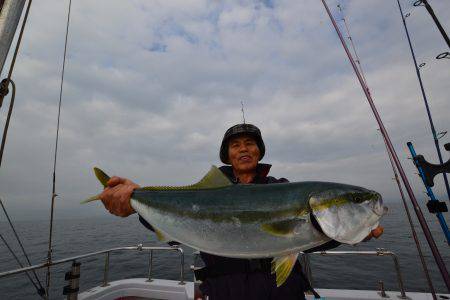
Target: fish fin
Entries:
(101, 176)
(160, 235)
(284, 228)
(90, 199)
(282, 267)
(213, 179)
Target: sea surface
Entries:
(78, 236)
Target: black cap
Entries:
(240, 129)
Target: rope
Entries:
(39, 290)
(4, 85)
(3, 92)
(21, 245)
(8, 118)
(54, 195)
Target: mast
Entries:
(10, 12)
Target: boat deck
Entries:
(159, 289)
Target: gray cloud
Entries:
(152, 86)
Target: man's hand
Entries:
(376, 233)
(116, 196)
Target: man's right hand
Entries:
(116, 196)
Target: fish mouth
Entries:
(347, 217)
(378, 207)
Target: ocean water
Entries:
(77, 236)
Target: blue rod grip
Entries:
(430, 193)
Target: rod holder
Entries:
(73, 276)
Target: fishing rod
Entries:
(54, 195)
(396, 178)
(425, 100)
(426, 230)
(438, 25)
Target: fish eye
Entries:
(357, 198)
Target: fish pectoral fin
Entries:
(161, 237)
(284, 228)
(282, 267)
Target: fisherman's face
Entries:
(243, 153)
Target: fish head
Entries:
(347, 214)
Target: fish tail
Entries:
(90, 199)
(103, 178)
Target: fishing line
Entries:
(432, 244)
(358, 61)
(416, 240)
(54, 195)
(425, 100)
(4, 84)
(41, 288)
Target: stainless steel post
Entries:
(150, 266)
(9, 19)
(399, 276)
(106, 272)
(182, 266)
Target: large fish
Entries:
(257, 220)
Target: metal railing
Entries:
(378, 252)
(107, 252)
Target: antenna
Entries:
(242, 109)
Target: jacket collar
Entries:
(262, 170)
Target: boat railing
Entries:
(305, 258)
(107, 252)
(379, 252)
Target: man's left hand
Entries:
(375, 233)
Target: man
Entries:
(230, 278)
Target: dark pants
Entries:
(253, 286)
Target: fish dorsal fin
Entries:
(213, 179)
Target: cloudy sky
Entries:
(151, 86)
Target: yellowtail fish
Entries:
(257, 220)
